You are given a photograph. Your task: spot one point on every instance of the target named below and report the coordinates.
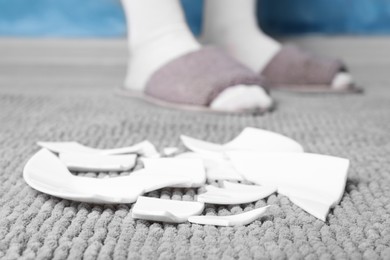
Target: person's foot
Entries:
(232, 26)
(159, 37)
(208, 78)
(146, 60)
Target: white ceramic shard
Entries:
(144, 148)
(202, 147)
(314, 202)
(222, 170)
(320, 175)
(171, 211)
(259, 140)
(46, 173)
(265, 190)
(170, 151)
(82, 162)
(250, 139)
(226, 196)
(216, 168)
(152, 181)
(192, 170)
(307, 192)
(233, 220)
(302, 176)
(315, 208)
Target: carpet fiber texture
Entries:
(56, 91)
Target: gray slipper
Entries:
(194, 80)
(295, 70)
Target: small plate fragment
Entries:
(82, 162)
(190, 169)
(235, 195)
(145, 148)
(250, 188)
(216, 168)
(250, 139)
(202, 147)
(170, 151)
(259, 140)
(171, 211)
(233, 220)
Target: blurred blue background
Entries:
(105, 18)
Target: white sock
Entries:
(232, 25)
(158, 34)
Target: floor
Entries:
(58, 90)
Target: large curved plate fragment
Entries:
(313, 181)
(46, 173)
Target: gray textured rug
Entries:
(59, 92)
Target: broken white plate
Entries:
(144, 148)
(304, 177)
(192, 170)
(171, 211)
(237, 194)
(233, 220)
(82, 162)
(250, 139)
(216, 168)
(46, 173)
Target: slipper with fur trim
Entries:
(194, 80)
(295, 70)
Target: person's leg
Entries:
(158, 34)
(232, 25)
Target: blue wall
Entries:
(104, 18)
(61, 18)
(325, 16)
